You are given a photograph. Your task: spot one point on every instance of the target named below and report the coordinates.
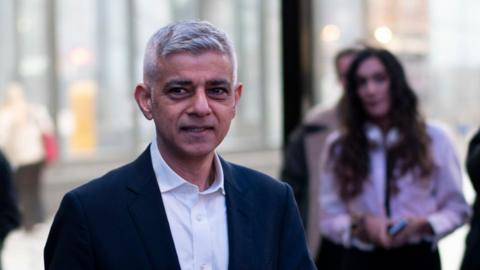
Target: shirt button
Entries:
(205, 267)
(200, 218)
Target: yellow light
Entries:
(330, 32)
(383, 34)
(83, 97)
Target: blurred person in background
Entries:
(300, 165)
(22, 127)
(471, 259)
(390, 182)
(180, 205)
(9, 215)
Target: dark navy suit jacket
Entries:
(471, 258)
(119, 222)
(9, 214)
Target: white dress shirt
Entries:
(440, 199)
(198, 220)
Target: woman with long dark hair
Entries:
(391, 183)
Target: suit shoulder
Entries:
(253, 178)
(320, 115)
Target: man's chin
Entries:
(199, 151)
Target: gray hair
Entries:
(193, 37)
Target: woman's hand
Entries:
(415, 226)
(373, 229)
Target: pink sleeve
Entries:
(335, 220)
(453, 210)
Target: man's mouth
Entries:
(196, 129)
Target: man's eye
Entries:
(177, 91)
(218, 91)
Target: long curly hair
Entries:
(350, 153)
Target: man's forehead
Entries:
(211, 81)
(196, 54)
(184, 62)
(187, 59)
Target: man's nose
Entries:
(200, 103)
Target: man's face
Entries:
(343, 64)
(192, 103)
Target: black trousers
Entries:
(471, 258)
(411, 257)
(330, 256)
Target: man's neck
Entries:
(199, 171)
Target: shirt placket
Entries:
(202, 249)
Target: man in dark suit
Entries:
(471, 260)
(9, 214)
(180, 205)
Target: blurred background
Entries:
(82, 59)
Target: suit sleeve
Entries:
(68, 245)
(473, 161)
(9, 215)
(294, 254)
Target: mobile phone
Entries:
(397, 227)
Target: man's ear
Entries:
(143, 96)
(238, 94)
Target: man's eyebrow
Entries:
(178, 83)
(218, 82)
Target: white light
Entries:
(330, 32)
(66, 122)
(80, 56)
(34, 65)
(24, 25)
(383, 34)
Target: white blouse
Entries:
(440, 200)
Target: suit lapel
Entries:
(148, 213)
(239, 219)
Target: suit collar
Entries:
(143, 170)
(148, 213)
(239, 219)
(169, 180)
